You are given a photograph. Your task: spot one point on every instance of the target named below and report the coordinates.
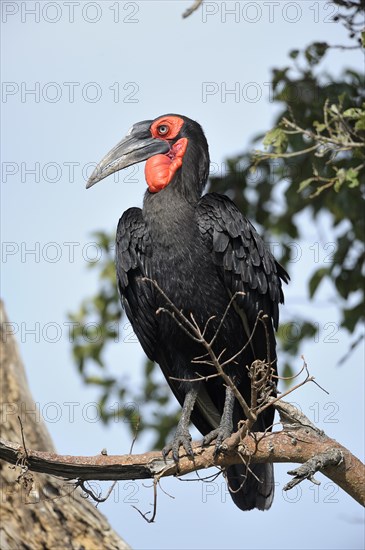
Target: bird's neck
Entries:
(173, 201)
(169, 215)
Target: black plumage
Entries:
(200, 250)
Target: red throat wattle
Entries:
(160, 169)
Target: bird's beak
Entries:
(137, 146)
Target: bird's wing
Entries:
(133, 256)
(246, 266)
(133, 263)
(241, 257)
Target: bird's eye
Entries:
(162, 129)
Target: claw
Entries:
(166, 450)
(180, 439)
(220, 435)
(211, 436)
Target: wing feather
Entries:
(240, 253)
(133, 254)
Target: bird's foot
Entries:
(211, 436)
(219, 435)
(182, 438)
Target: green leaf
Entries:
(338, 185)
(315, 52)
(352, 178)
(294, 54)
(352, 316)
(319, 126)
(277, 139)
(341, 175)
(303, 184)
(316, 279)
(353, 112)
(97, 380)
(360, 124)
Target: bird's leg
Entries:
(182, 435)
(226, 424)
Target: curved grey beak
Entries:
(137, 146)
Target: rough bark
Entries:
(308, 446)
(39, 511)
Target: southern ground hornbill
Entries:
(201, 251)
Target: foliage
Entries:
(317, 151)
(313, 163)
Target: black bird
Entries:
(201, 251)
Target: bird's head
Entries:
(174, 147)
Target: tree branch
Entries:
(300, 441)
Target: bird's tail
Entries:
(250, 491)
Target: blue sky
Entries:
(75, 78)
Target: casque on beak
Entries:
(137, 146)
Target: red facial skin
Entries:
(160, 169)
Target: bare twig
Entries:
(231, 359)
(135, 435)
(263, 156)
(193, 7)
(156, 482)
(23, 438)
(230, 303)
(97, 498)
(277, 377)
(321, 139)
(154, 509)
(199, 378)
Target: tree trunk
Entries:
(37, 510)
